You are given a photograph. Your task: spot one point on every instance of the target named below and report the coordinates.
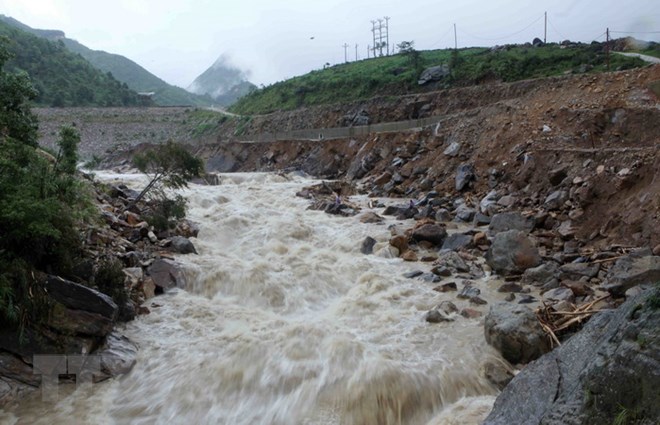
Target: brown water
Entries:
(284, 321)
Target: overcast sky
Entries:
(278, 39)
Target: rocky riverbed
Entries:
(533, 211)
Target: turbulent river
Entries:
(284, 321)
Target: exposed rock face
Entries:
(515, 331)
(512, 252)
(609, 370)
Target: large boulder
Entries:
(512, 253)
(434, 73)
(511, 221)
(74, 322)
(607, 373)
(430, 232)
(166, 274)
(118, 356)
(457, 241)
(78, 297)
(632, 271)
(514, 331)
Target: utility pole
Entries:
(607, 48)
(356, 54)
(387, 35)
(382, 39)
(368, 47)
(373, 32)
(345, 46)
(545, 28)
(455, 39)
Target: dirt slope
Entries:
(595, 136)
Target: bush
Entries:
(109, 279)
(164, 211)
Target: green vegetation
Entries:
(41, 203)
(398, 74)
(123, 69)
(109, 279)
(625, 416)
(60, 77)
(205, 122)
(169, 166)
(136, 77)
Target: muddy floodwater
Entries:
(285, 321)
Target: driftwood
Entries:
(554, 322)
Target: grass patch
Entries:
(397, 75)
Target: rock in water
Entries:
(166, 274)
(368, 245)
(515, 331)
(183, 245)
(118, 356)
(608, 370)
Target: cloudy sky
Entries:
(277, 39)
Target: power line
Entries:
(556, 30)
(443, 37)
(599, 36)
(507, 36)
(636, 32)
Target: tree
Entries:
(407, 48)
(16, 120)
(67, 157)
(169, 165)
(39, 205)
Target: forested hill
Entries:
(61, 77)
(123, 69)
(136, 77)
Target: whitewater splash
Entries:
(284, 321)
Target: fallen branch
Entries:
(605, 260)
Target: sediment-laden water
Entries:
(284, 321)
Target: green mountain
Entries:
(123, 69)
(223, 82)
(62, 78)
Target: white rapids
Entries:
(284, 321)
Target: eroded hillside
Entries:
(596, 137)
